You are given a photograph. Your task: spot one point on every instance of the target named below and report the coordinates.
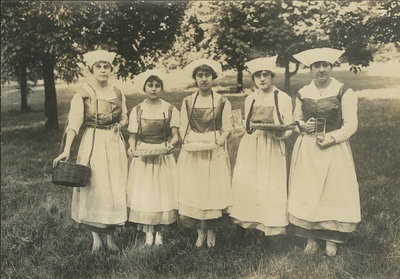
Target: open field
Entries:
(39, 240)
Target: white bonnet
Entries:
(140, 79)
(262, 64)
(216, 66)
(311, 56)
(99, 55)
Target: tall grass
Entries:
(39, 240)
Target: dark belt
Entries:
(102, 127)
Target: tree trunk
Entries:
(239, 81)
(50, 96)
(24, 87)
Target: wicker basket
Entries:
(71, 174)
(271, 126)
(199, 146)
(150, 152)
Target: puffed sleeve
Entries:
(133, 125)
(124, 115)
(247, 104)
(175, 120)
(349, 115)
(227, 124)
(285, 108)
(76, 113)
(298, 114)
(183, 119)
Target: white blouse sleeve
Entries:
(227, 124)
(298, 114)
(76, 113)
(133, 125)
(247, 104)
(285, 108)
(175, 121)
(349, 115)
(124, 115)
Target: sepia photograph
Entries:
(200, 139)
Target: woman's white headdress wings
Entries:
(141, 79)
(262, 64)
(97, 56)
(216, 66)
(311, 56)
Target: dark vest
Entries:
(329, 108)
(263, 114)
(109, 111)
(203, 120)
(153, 131)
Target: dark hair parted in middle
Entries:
(204, 68)
(99, 62)
(151, 79)
(272, 74)
(319, 62)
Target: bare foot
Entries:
(311, 247)
(149, 239)
(110, 244)
(97, 244)
(201, 237)
(211, 238)
(96, 247)
(159, 239)
(331, 248)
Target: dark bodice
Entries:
(203, 120)
(329, 108)
(154, 131)
(109, 111)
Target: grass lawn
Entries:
(39, 240)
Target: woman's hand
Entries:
(131, 150)
(326, 142)
(223, 137)
(309, 126)
(170, 148)
(64, 155)
(221, 141)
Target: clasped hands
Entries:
(309, 128)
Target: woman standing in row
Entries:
(323, 190)
(205, 184)
(101, 205)
(153, 180)
(259, 182)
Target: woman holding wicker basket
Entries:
(101, 205)
(259, 183)
(204, 172)
(153, 174)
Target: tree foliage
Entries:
(234, 32)
(56, 34)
